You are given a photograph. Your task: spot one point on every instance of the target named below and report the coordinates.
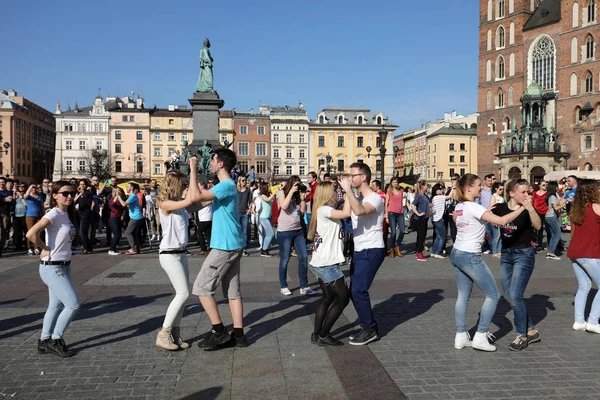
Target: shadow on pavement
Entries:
(398, 309)
(205, 394)
(537, 306)
(88, 310)
(3, 303)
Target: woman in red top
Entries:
(115, 220)
(584, 252)
(541, 207)
(394, 214)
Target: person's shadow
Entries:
(398, 309)
(537, 307)
(204, 394)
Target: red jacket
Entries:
(539, 203)
(311, 193)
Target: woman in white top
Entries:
(172, 251)
(326, 233)
(438, 206)
(497, 198)
(55, 269)
(469, 266)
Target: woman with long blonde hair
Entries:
(325, 231)
(584, 252)
(172, 250)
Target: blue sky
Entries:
(411, 60)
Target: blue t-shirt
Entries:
(226, 229)
(570, 194)
(34, 207)
(422, 204)
(135, 211)
(251, 176)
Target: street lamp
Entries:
(382, 138)
(328, 159)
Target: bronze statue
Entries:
(206, 154)
(205, 81)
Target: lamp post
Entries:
(328, 159)
(382, 138)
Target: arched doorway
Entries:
(536, 175)
(587, 167)
(514, 173)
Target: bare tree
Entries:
(97, 164)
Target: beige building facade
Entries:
(169, 129)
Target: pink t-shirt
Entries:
(289, 219)
(396, 203)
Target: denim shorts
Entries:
(328, 274)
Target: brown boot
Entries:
(398, 252)
(391, 253)
(164, 340)
(176, 332)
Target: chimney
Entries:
(172, 107)
(139, 102)
(12, 92)
(57, 111)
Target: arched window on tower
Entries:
(500, 72)
(574, 50)
(542, 62)
(589, 82)
(589, 47)
(573, 91)
(511, 95)
(488, 70)
(577, 115)
(360, 119)
(500, 37)
(511, 33)
(500, 98)
(588, 142)
(506, 124)
(591, 9)
(492, 126)
(489, 100)
(575, 15)
(489, 39)
(500, 11)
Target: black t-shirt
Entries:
(517, 234)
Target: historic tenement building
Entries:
(82, 141)
(539, 80)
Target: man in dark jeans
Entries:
(84, 200)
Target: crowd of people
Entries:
(326, 223)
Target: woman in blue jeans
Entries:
(469, 267)
(584, 252)
(555, 204)
(518, 258)
(264, 217)
(289, 232)
(55, 269)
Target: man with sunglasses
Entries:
(6, 208)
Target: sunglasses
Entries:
(454, 179)
(66, 194)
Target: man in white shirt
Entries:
(369, 248)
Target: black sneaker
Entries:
(265, 253)
(214, 340)
(535, 338)
(366, 336)
(357, 333)
(313, 338)
(245, 253)
(328, 341)
(42, 346)
(239, 341)
(58, 347)
(518, 344)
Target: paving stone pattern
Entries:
(115, 329)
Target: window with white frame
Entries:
(575, 15)
(117, 135)
(542, 62)
(276, 138)
(156, 169)
(275, 169)
(301, 138)
(500, 38)
(591, 8)
(81, 165)
(511, 93)
(275, 153)
(118, 166)
(288, 169)
(321, 142)
(139, 148)
(500, 11)
(589, 48)
(589, 82)
(99, 145)
(489, 100)
(360, 142)
(488, 70)
(171, 136)
(69, 165)
(588, 143)
(301, 153)
(157, 151)
(573, 88)
(82, 145)
(489, 40)
(500, 71)
(138, 135)
(157, 136)
(261, 149)
(500, 98)
(184, 136)
(288, 138)
(340, 142)
(69, 145)
(261, 166)
(302, 170)
(321, 163)
(243, 148)
(260, 130)
(243, 130)
(117, 147)
(139, 166)
(288, 153)
(224, 137)
(131, 118)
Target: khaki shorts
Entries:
(219, 266)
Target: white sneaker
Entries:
(307, 291)
(487, 252)
(30, 252)
(579, 326)
(153, 237)
(113, 253)
(592, 328)
(462, 340)
(286, 292)
(439, 256)
(481, 342)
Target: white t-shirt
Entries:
(328, 247)
(175, 230)
(470, 229)
(205, 214)
(59, 235)
(438, 206)
(368, 229)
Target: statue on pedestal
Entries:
(205, 81)
(206, 154)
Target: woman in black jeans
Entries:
(84, 201)
(420, 207)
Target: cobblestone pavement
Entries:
(115, 329)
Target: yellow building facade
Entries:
(452, 149)
(226, 132)
(340, 136)
(169, 129)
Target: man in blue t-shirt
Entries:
(222, 265)
(136, 218)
